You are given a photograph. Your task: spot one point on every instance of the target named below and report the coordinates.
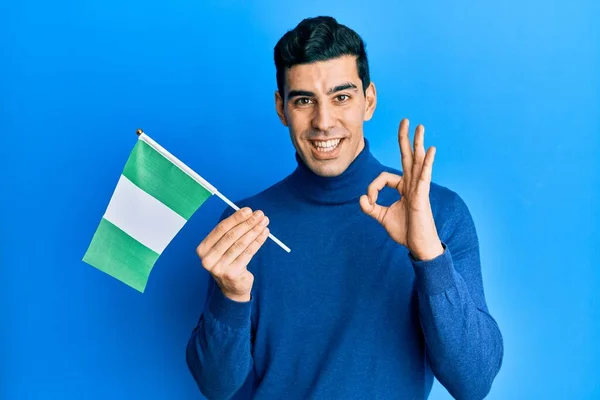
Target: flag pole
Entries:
(197, 178)
(273, 238)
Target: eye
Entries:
(302, 101)
(342, 98)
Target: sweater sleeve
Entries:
(218, 353)
(463, 342)
(219, 350)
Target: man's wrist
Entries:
(237, 298)
(229, 312)
(436, 275)
(431, 253)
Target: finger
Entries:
(244, 258)
(405, 150)
(214, 254)
(374, 210)
(234, 234)
(425, 179)
(419, 155)
(223, 227)
(384, 179)
(243, 242)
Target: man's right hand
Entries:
(229, 247)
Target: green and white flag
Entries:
(154, 197)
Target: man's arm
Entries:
(218, 352)
(464, 344)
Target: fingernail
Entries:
(265, 221)
(246, 212)
(258, 214)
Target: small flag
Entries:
(155, 196)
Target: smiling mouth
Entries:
(325, 146)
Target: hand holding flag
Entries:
(155, 196)
(227, 250)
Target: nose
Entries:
(324, 117)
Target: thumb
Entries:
(373, 210)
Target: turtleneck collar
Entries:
(344, 188)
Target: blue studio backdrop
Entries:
(508, 92)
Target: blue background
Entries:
(509, 92)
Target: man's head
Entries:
(324, 92)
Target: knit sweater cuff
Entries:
(434, 276)
(233, 314)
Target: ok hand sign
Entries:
(409, 221)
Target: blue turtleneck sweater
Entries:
(349, 313)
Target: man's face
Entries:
(324, 108)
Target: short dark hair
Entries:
(319, 39)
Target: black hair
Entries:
(319, 39)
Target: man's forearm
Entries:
(464, 343)
(218, 353)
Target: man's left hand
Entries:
(409, 221)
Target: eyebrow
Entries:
(343, 86)
(306, 93)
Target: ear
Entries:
(370, 101)
(279, 107)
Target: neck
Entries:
(344, 188)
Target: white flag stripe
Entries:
(142, 216)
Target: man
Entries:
(383, 287)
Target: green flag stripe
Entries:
(163, 180)
(120, 256)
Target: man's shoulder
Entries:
(268, 195)
(450, 212)
(267, 200)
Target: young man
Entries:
(383, 287)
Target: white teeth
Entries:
(326, 145)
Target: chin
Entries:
(328, 171)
